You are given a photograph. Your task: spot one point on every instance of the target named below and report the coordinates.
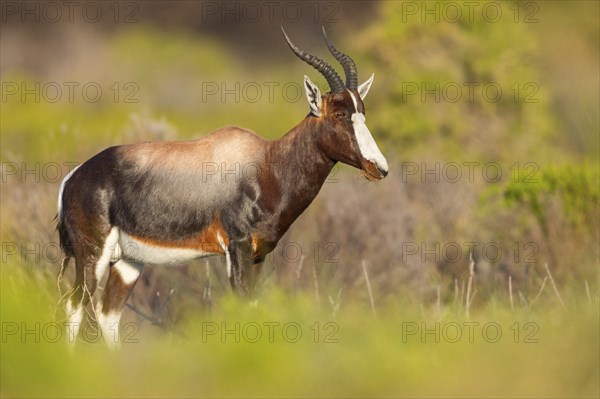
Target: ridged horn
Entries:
(333, 79)
(347, 63)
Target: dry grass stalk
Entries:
(299, 271)
(523, 299)
(554, 287)
(540, 291)
(93, 315)
(316, 285)
(364, 267)
(63, 267)
(473, 296)
(62, 298)
(469, 297)
(462, 291)
(207, 288)
(587, 291)
(335, 305)
(455, 290)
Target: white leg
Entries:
(75, 317)
(111, 251)
(227, 255)
(121, 279)
(109, 326)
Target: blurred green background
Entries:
(504, 93)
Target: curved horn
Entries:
(333, 79)
(347, 63)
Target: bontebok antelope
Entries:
(231, 193)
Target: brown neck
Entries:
(300, 168)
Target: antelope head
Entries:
(344, 135)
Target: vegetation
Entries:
(403, 351)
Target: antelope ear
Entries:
(313, 95)
(363, 89)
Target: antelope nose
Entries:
(383, 172)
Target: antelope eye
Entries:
(340, 114)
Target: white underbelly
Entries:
(132, 249)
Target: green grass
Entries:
(367, 355)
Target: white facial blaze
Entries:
(366, 144)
